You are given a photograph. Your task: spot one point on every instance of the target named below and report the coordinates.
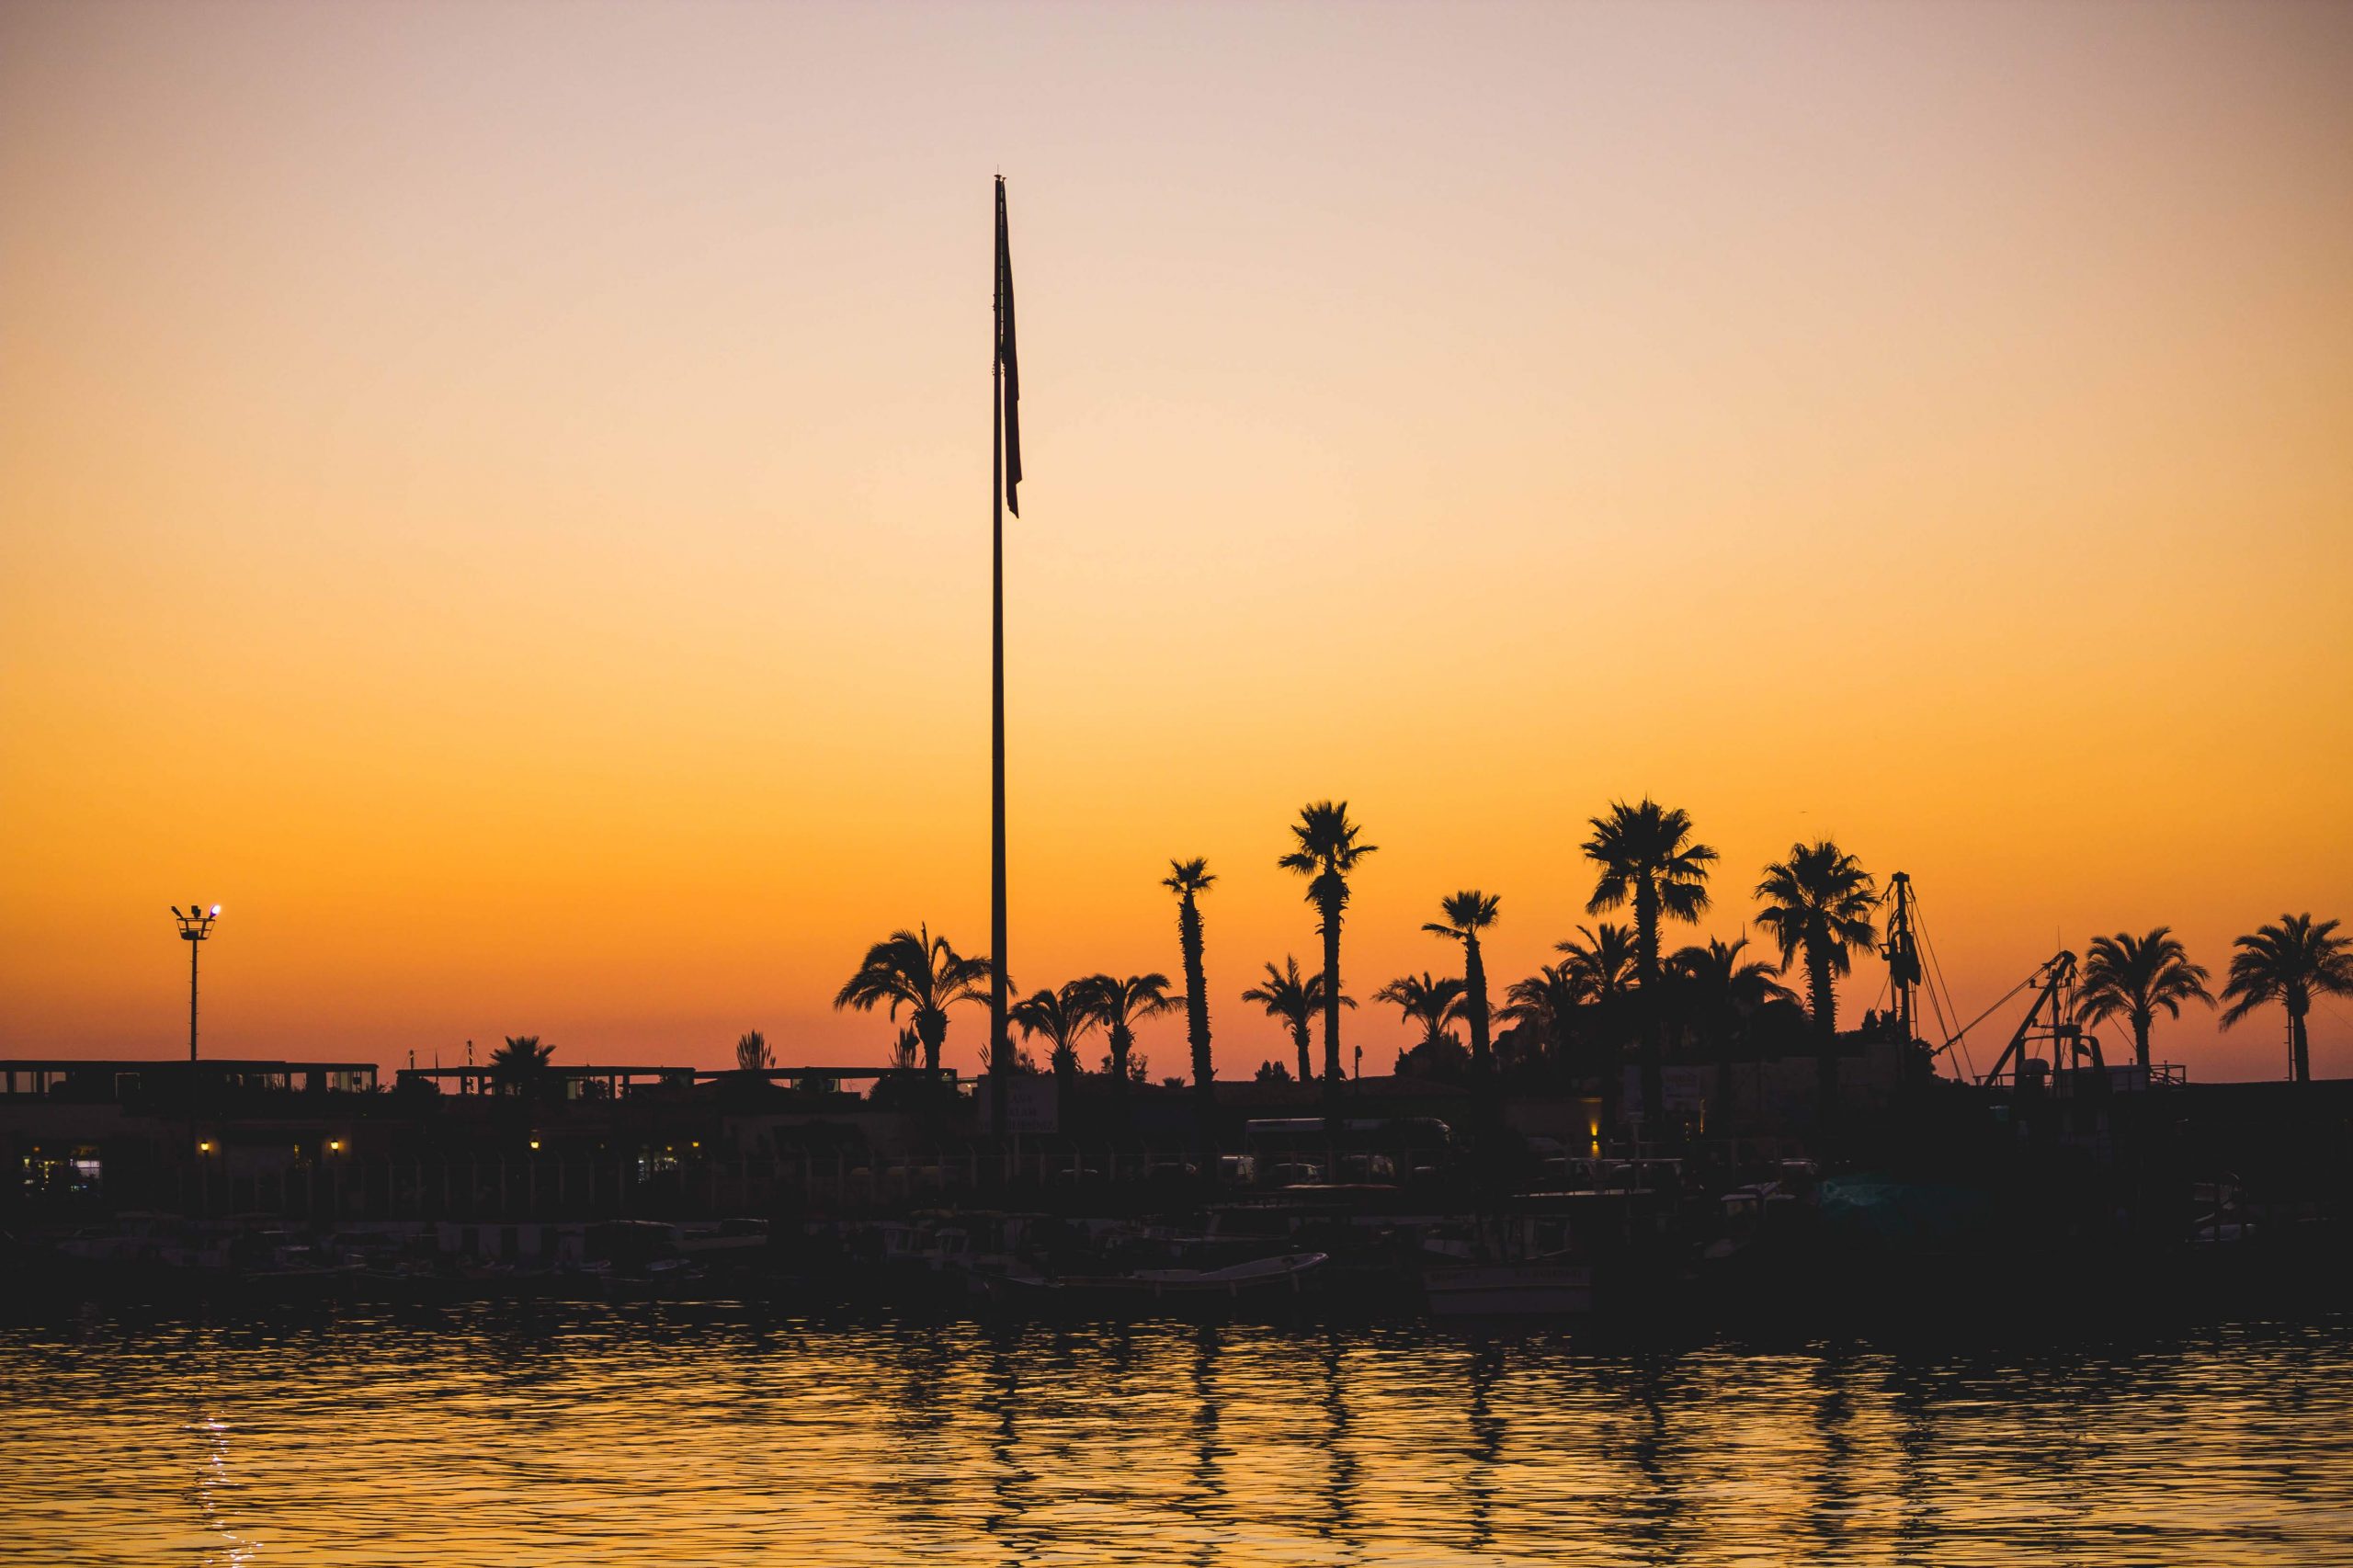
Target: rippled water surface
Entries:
(715, 1435)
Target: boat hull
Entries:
(1509, 1289)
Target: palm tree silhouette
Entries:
(1723, 991)
(1722, 983)
(1296, 1002)
(1063, 1018)
(1327, 852)
(1468, 912)
(1647, 857)
(1545, 1003)
(2289, 963)
(2131, 977)
(521, 1064)
(751, 1052)
(1821, 903)
(1603, 964)
(1119, 1004)
(1423, 999)
(1600, 970)
(922, 972)
(1188, 880)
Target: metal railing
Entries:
(573, 1187)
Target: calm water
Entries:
(710, 1436)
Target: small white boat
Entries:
(1509, 1289)
(1258, 1273)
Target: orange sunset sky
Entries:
(496, 494)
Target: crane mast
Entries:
(1901, 953)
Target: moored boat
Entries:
(1284, 1275)
(1540, 1286)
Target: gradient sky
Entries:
(496, 494)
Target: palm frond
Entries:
(2290, 963)
(1646, 848)
(1192, 876)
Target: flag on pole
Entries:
(1006, 359)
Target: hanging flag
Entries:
(1007, 361)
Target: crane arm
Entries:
(2052, 978)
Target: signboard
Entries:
(1687, 1088)
(1033, 1105)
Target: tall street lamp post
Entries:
(195, 926)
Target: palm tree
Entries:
(923, 972)
(1600, 970)
(751, 1052)
(2289, 963)
(1821, 903)
(1603, 964)
(1117, 1004)
(1296, 1002)
(1647, 857)
(1327, 852)
(1722, 984)
(1063, 1018)
(2131, 977)
(1432, 1003)
(1724, 991)
(1468, 912)
(1544, 1002)
(520, 1065)
(1188, 880)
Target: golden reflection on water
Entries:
(718, 1435)
(213, 1479)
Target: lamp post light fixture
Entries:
(195, 926)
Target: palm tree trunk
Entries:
(1475, 977)
(1652, 1047)
(2141, 1040)
(1821, 995)
(1826, 1032)
(2302, 1048)
(1121, 1039)
(1196, 999)
(1306, 1061)
(1332, 999)
(932, 1029)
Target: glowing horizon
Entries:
(501, 505)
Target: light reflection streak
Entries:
(212, 1483)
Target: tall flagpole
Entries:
(1000, 1080)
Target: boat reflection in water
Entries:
(713, 1434)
